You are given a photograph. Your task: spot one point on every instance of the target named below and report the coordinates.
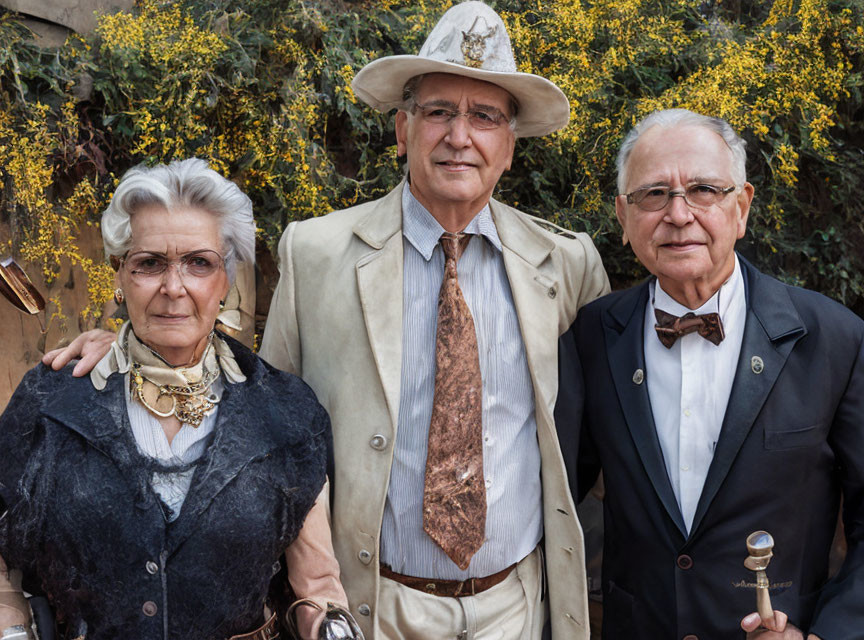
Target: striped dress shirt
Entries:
(511, 455)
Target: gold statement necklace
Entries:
(164, 390)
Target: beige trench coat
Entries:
(336, 320)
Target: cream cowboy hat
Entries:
(469, 40)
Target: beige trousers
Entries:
(511, 610)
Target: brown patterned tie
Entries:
(454, 497)
(670, 327)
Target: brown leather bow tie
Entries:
(670, 327)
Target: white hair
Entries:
(669, 118)
(182, 183)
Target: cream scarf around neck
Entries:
(162, 389)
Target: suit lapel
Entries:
(379, 283)
(623, 325)
(525, 250)
(771, 330)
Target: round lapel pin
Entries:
(756, 365)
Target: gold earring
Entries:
(118, 295)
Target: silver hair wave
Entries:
(669, 118)
(182, 183)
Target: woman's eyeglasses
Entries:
(147, 267)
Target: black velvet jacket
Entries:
(88, 530)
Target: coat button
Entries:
(378, 442)
(365, 556)
(684, 562)
(364, 610)
(149, 608)
(551, 293)
(638, 376)
(152, 567)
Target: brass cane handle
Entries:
(760, 546)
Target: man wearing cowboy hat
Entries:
(442, 410)
(440, 387)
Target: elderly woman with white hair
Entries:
(155, 498)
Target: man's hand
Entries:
(776, 629)
(89, 346)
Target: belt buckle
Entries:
(461, 586)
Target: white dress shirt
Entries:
(689, 386)
(511, 454)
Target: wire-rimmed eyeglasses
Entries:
(479, 118)
(147, 266)
(700, 196)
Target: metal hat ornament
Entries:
(469, 40)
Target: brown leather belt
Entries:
(448, 588)
(266, 632)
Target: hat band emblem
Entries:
(474, 45)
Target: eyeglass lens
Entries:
(477, 118)
(697, 195)
(199, 264)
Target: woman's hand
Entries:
(312, 567)
(90, 346)
(13, 606)
(308, 621)
(9, 617)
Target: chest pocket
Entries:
(782, 439)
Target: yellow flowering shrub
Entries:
(261, 89)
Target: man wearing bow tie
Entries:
(718, 402)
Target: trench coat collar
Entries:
(383, 221)
(520, 235)
(379, 283)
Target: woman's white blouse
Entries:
(187, 446)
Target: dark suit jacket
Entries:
(791, 442)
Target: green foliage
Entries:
(261, 89)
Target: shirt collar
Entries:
(423, 231)
(718, 303)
